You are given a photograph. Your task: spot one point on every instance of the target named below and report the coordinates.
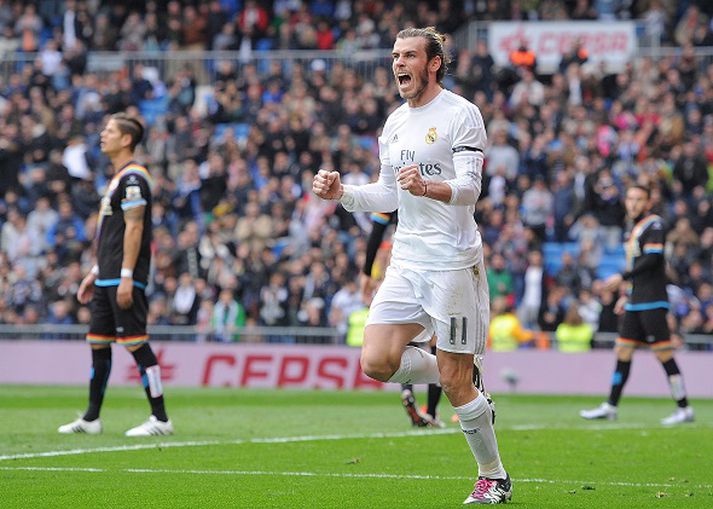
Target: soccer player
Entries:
(115, 285)
(379, 223)
(431, 152)
(644, 305)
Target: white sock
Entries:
(417, 367)
(476, 421)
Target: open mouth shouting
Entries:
(404, 79)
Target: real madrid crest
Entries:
(431, 136)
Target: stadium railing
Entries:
(252, 334)
(364, 62)
(262, 334)
(204, 63)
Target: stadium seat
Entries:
(553, 251)
(240, 131)
(151, 109)
(611, 263)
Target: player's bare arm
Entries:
(86, 288)
(613, 282)
(134, 221)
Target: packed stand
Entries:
(240, 240)
(77, 26)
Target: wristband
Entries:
(425, 188)
(127, 273)
(95, 270)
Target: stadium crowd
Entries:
(240, 239)
(165, 25)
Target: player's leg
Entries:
(657, 327)
(100, 336)
(461, 326)
(396, 319)
(101, 369)
(631, 336)
(408, 400)
(131, 327)
(433, 398)
(476, 421)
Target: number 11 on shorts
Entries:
(454, 330)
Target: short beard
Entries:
(419, 92)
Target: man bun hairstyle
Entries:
(131, 126)
(435, 46)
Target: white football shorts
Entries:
(454, 304)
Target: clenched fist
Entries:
(409, 178)
(327, 185)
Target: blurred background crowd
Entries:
(239, 237)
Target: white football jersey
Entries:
(433, 235)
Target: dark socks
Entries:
(434, 393)
(675, 382)
(621, 374)
(101, 368)
(151, 378)
(434, 396)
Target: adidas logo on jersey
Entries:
(395, 138)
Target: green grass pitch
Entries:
(289, 449)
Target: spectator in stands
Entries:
(505, 331)
(16, 239)
(577, 54)
(534, 292)
(552, 311)
(345, 302)
(502, 154)
(523, 58)
(273, 298)
(606, 204)
(527, 91)
(563, 205)
(60, 314)
(227, 315)
(568, 274)
(186, 300)
(537, 207)
(573, 334)
(500, 281)
(67, 236)
(691, 169)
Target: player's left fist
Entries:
(409, 179)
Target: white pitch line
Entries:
(348, 475)
(307, 438)
(136, 447)
(56, 469)
(267, 440)
(583, 426)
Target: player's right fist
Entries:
(327, 185)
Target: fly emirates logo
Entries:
(408, 157)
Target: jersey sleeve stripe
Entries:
(381, 218)
(127, 205)
(135, 169)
